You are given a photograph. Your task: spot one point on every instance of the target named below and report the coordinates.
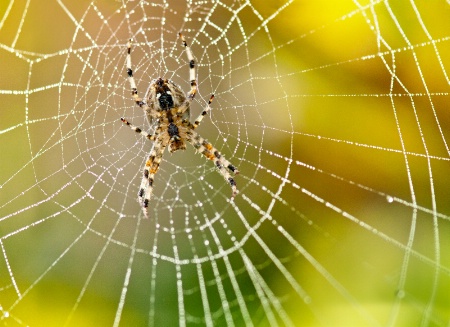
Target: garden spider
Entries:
(166, 103)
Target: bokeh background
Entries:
(335, 112)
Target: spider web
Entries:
(335, 113)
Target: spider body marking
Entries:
(170, 107)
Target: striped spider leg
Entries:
(170, 107)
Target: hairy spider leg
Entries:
(192, 78)
(150, 169)
(138, 130)
(134, 91)
(205, 111)
(210, 152)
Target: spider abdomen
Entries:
(164, 95)
(165, 101)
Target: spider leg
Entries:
(137, 129)
(192, 78)
(134, 92)
(210, 152)
(150, 169)
(199, 119)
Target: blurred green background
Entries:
(335, 112)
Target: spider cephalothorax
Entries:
(166, 103)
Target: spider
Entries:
(167, 104)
